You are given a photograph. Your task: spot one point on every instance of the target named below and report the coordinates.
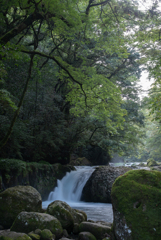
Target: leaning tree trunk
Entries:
(5, 139)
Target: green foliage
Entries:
(81, 84)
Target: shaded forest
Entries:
(69, 80)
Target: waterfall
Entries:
(69, 189)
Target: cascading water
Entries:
(69, 190)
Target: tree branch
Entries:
(59, 64)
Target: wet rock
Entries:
(136, 205)
(30, 221)
(98, 230)
(17, 199)
(99, 185)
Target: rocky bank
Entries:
(41, 176)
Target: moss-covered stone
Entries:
(17, 199)
(30, 221)
(137, 206)
(46, 234)
(63, 212)
(151, 162)
(79, 216)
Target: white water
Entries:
(69, 190)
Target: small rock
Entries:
(65, 233)
(86, 236)
(46, 234)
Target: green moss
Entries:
(34, 236)
(46, 234)
(25, 237)
(151, 162)
(9, 165)
(5, 238)
(136, 195)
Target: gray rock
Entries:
(98, 230)
(17, 199)
(99, 185)
(30, 221)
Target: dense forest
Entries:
(69, 80)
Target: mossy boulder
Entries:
(99, 185)
(9, 235)
(65, 214)
(151, 162)
(86, 236)
(17, 199)
(30, 221)
(137, 206)
(79, 216)
(46, 234)
(98, 230)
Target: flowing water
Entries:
(69, 190)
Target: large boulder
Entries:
(65, 214)
(30, 221)
(99, 185)
(17, 199)
(98, 230)
(136, 205)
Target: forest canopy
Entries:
(69, 78)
